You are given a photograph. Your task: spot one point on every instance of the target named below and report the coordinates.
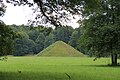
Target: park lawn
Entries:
(56, 68)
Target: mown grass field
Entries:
(55, 68)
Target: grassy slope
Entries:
(60, 48)
(54, 68)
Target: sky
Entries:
(16, 14)
(21, 14)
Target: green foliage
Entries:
(32, 40)
(49, 40)
(63, 33)
(40, 43)
(23, 46)
(33, 34)
(101, 30)
(74, 38)
(6, 34)
(6, 39)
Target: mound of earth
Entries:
(60, 49)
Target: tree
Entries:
(33, 34)
(49, 40)
(2, 8)
(23, 45)
(74, 38)
(6, 34)
(40, 42)
(6, 39)
(31, 39)
(101, 30)
(63, 33)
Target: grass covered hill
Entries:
(60, 48)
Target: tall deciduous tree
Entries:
(102, 29)
(6, 34)
(6, 39)
(23, 45)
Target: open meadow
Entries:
(57, 68)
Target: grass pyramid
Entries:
(60, 49)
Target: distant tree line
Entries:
(31, 40)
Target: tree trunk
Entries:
(114, 59)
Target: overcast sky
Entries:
(20, 14)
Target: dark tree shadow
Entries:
(107, 65)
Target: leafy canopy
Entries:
(101, 29)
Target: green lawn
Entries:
(55, 68)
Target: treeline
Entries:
(32, 40)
